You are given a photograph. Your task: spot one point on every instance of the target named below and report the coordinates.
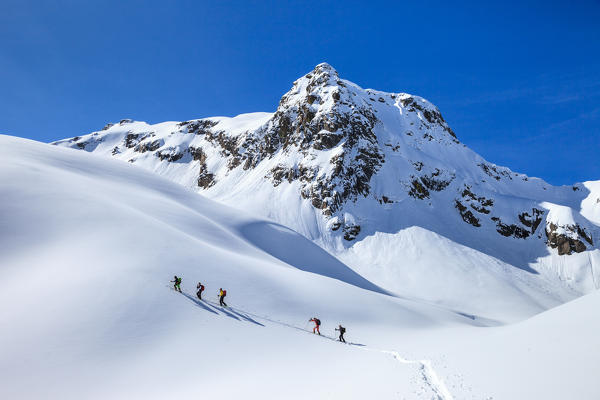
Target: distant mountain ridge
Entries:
(339, 163)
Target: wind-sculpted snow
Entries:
(590, 206)
(340, 164)
(297, 251)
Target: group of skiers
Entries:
(223, 293)
(199, 290)
(340, 328)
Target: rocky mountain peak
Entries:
(328, 134)
(323, 74)
(320, 111)
(318, 89)
(357, 156)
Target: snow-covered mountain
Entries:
(88, 247)
(382, 182)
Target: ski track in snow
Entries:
(429, 376)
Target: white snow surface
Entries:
(88, 246)
(452, 275)
(590, 206)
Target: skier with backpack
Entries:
(222, 294)
(317, 322)
(177, 284)
(342, 331)
(200, 288)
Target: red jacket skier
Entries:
(317, 322)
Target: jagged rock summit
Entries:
(323, 115)
(344, 165)
(326, 133)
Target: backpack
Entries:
(317, 321)
(178, 281)
(342, 330)
(224, 293)
(201, 288)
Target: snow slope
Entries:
(553, 355)
(87, 248)
(382, 182)
(452, 275)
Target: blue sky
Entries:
(519, 82)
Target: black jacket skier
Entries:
(342, 331)
(200, 288)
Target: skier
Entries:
(222, 294)
(200, 288)
(317, 322)
(342, 331)
(177, 284)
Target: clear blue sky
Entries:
(519, 82)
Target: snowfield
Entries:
(88, 246)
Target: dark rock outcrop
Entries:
(351, 231)
(569, 242)
(511, 230)
(532, 221)
(466, 215)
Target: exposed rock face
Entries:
(316, 115)
(479, 204)
(435, 181)
(495, 172)
(87, 143)
(532, 221)
(466, 214)
(569, 240)
(133, 140)
(351, 231)
(148, 146)
(170, 154)
(205, 179)
(511, 230)
(432, 116)
(197, 127)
